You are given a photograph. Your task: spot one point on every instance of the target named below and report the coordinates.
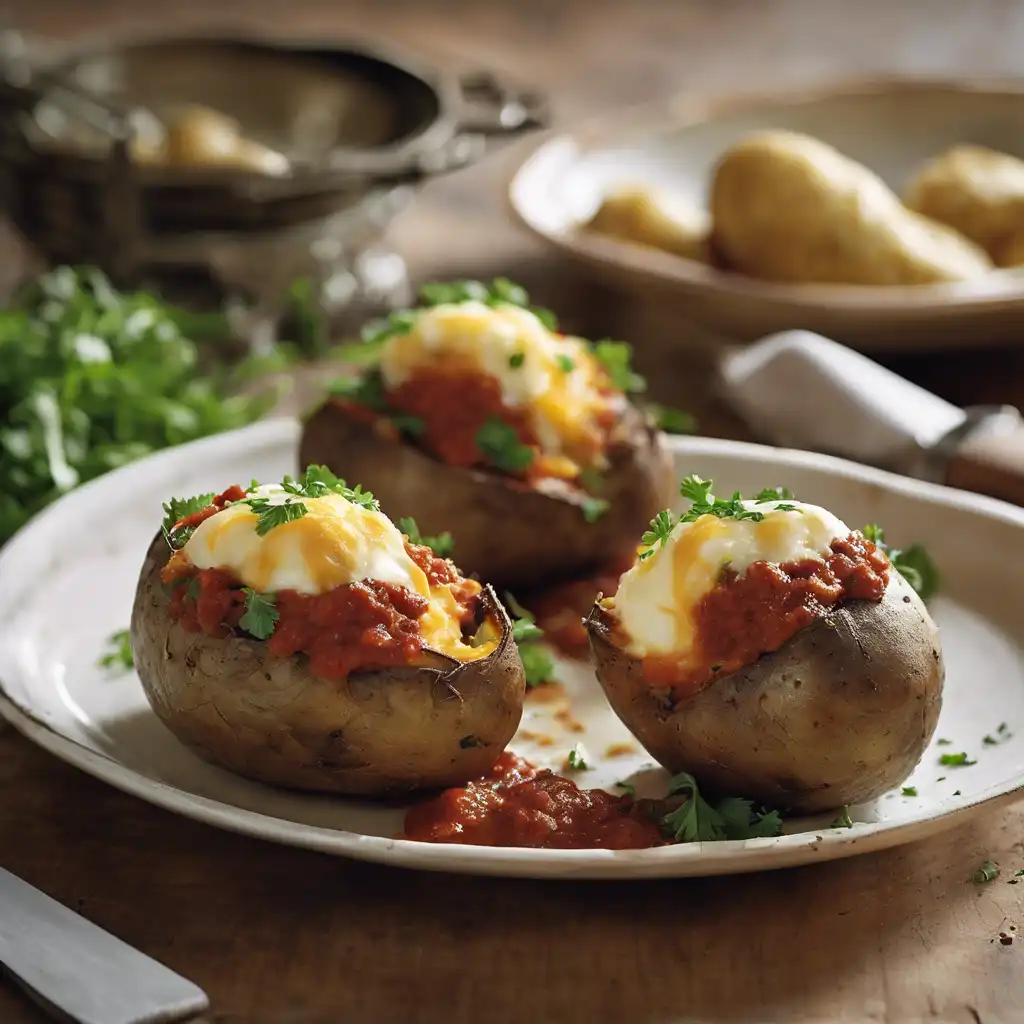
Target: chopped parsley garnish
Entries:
(914, 564)
(844, 820)
(1019, 874)
(704, 503)
(671, 421)
(696, 820)
(576, 761)
(516, 360)
(773, 494)
(367, 389)
(271, 516)
(616, 358)
(565, 364)
(261, 614)
(594, 508)
(988, 872)
(908, 791)
(1002, 735)
(628, 789)
(177, 509)
(119, 652)
(391, 326)
(944, 742)
(960, 760)
(442, 545)
(319, 481)
(538, 664)
(500, 445)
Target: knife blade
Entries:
(797, 389)
(78, 971)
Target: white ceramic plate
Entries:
(67, 581)
(890, 126)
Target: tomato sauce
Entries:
(369, 624)
(232, 494)
(516, 804)
(754, 614)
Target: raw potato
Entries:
(385, 731)
(786, 207)
(977, 191)
(657, 219)
(513, 536)
(839, 714)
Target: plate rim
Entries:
(1002, 290)
(694, 859)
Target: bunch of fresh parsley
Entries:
(92, 378)
(698, 821)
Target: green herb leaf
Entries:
(261, 614)
(960, 760)
(944, 743)
(179, 508)
(988, 872)
(319, 481)
(576, 760)
(270, 516)
(908, 791)
(773, 494)
(704, 503)
(500, 445)
(874, 533)
(670, 421)
(516, 360)
(844, 820)
(538, 663)
(594, 508)
(628, 788)
(660, 530)
(376, 332)
(565, 364)
(914, 564)
(365, 389)
(442, 545)
(501, 291)
(696, 820)
(616, 357)
(119, 652)
(193, 588)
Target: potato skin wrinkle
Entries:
(980, 193)
(511, 535)
(838, 715)
(375, 733)
(786, 207)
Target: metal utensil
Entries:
(801, 390)
(80, 973)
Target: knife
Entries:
(797, 389)
(80, 973)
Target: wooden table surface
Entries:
(278, 935)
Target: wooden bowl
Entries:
(891, 126)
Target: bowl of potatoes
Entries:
(886, 214)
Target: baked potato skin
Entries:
(511, 535)
(977, 191)
(376, 733)
(787, 207)
(839, 714)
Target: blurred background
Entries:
(406, 122)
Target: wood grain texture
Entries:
(280, 936)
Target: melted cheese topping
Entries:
(562, 402)
(335, 543)
(657, 599)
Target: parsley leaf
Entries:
(844, 820)
(516, 360)
(177, 509)
(908, 791)
(500, 292)
(393, 325)
(988, 872)
(594, 508)
(576, 761)
(696, 820)
(914, 564)
(660, 530)
(500, 445)
(538, 664)
(319, 481)
(616, 357)
(628, 788)
(565, 364)
(960, 760)
(119, 652)
(274, 515)
(442, 545)
(773, 494)
(670, 421)
(261, 614)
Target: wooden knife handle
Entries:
(991, 464)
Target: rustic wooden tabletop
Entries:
(277, 935)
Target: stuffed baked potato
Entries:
(293, 635)
(769, 650)
(480, 420)
(787, 207)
